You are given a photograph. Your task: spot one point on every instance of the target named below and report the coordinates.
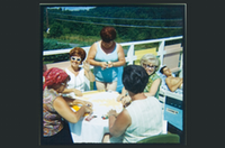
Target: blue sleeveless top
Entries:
(108, 74)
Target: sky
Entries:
(74, 8)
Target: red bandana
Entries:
(54, 76)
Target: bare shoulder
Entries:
(158, 80)
(124, 115)
(119, 47)
(59, 102)
(124, 118)
(94, 46)
(92, 51)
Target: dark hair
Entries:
(108, 34)
(77, 51)
(161, 70)
(135, 78)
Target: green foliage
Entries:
(84, 34)
(126, 33)
(49, 44)
(66, 31)
(56, 30)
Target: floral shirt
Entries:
(52, 121)
(151, 79)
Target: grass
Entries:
(84, 41)
(80, 39)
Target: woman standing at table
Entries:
(56, 107)
(77, 74)
(143, 117)
(106, 56)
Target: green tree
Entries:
(56, 30)
(66, 30)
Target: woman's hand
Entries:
(110, 64)
(112, 113)
(89, 104)
(124, 99)
(86, 65)
(103, 65)
(120, 97)
(77, 93)
(87, 109)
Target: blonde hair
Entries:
(151, 59)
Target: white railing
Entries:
(130, 58)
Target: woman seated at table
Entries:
(173, 83)
(55, 107)
(77, 74)
(106, 56)
(151, 64)
(143, 117)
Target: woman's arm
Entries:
(63, 109)
(72, 102)
(87, 72)
(155, 86)
(68, 100)
(119, 124)
(122, 95)
(124, 98)
(75, 91)
(90, 76)
(121, 57)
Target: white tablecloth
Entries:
(94, 130)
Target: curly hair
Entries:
(135, 78)
(151, 59)
(77, 51)
(108, 34)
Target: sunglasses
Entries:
(73, 58)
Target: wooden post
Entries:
(161, 51)
(47, 25)
(130, 55)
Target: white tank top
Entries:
(76, 82)
(146, 120)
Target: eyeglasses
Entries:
(73, 58)
(64, 84)
(148, 66)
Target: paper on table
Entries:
(103, 102)
(92, 92)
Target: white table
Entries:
(93, 131)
